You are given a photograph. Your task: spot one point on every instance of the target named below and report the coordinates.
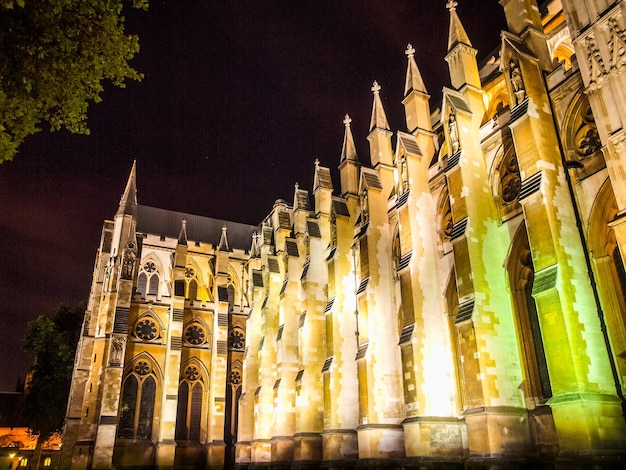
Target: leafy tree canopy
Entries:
(51, 342)
(54, 55)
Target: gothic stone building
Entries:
(461, 301)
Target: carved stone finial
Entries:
(410, 51)
(297, 186)
(375, 87)
(316, 163)
(347, 120)
(451, 5)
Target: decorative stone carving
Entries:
(117, 350)
(235, 377)
(453, 131)
(618, 42)
(517, 82)
(594, 59)
(142, 368)
(146, 329)
(587, 140)
(365, 205)
(192, 373)
(128, 261)
(237, 340)
(149, 267)
(195, 335)
(189, 273)
(447, 224)
(510, 180)
(404, 174)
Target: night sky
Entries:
(239, 99)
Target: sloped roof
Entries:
(166, 223)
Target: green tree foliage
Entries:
(51, 343)
(54, 56)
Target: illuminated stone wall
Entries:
(459, 301)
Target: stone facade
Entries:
(462, 301)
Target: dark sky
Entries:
(239, 99)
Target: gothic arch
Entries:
(150, 275)
(520, 275)
(195, 362)
(609, 270)
(197, 332)
(580, 137)
(235, 282)
(192, 405)
(140, 399)
(497, 105)
(505, 179)
(562, 50)
(147, 357)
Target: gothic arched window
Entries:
(137, 404)
(148, 279)
(536, 386)
(189, 411)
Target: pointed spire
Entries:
(321, 178)
(182, 236)
(379, 118)
(457, 32)
(348, 151)
(128, 202)
(223, 240)
(413, 76)
(255, 248)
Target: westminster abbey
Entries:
(460, 302)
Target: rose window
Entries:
(142, 368)
(192, 374)
(189, 273)
(146, 330)
(236, 339)
(194, 335)
(149, 267)
(235, 377)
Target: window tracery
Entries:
(148, 279)
(510, 180)
(190, 404)
(237, 340)
(195, 334)
(138, 402)
(146, 329)
(587, 140)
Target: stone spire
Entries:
(182, 236)
(414, 80)
(223, 245)
(461, 55)
(457, 33)
(128, 202)
(380, 134)
(348, 151)
(379, 118)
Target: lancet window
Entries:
(189, 413)
(148, 279)
(138, 402)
